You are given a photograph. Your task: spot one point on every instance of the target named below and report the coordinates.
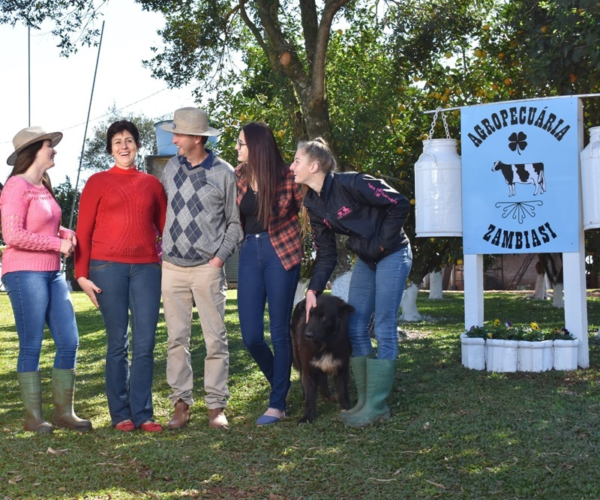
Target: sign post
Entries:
(521, 193)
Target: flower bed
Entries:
(502, 347)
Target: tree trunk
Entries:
(435, 286)
(447, 274)
(557, 299)
(300, 290)
(540, 292)
(409, 304)
(340, 286)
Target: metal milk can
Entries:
(590, 180)
(438, 189)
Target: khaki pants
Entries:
(206, 287)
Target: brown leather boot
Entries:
(181, 415)
(217, 419)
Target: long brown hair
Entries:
(265, 166)
(25, 159)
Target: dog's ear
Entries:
(301, 306)
(349, 309)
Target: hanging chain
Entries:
(431, 130)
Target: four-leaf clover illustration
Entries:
(517, 142)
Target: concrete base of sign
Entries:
(565, 354)
(535, 356)
(501, 355)
(472, 352)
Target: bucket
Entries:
(590, 180)
(164, 139)
(438, 189)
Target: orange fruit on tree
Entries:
(507, 81)
(285, 58)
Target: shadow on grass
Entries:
(454, 433)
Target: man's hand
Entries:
(216, 262)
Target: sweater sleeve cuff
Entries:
(63, 232)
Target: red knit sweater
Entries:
(121, 213)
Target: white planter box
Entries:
(535, 356)
(565, 354)
(501, 355)
(472, 352)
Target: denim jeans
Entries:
(378, 291)
(262, 278)
(135, 289)
(39, 297)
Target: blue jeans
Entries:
(39, 297)
(128, 288)
(378, 291)
(262, 277)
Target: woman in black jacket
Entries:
(372, 215)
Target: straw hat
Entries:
(28, 136)
(190, 121)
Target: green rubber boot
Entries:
(380, 378)
(358, 365)
(31, 391)
(63, 393)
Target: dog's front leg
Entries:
(341, 382)
(309, 385)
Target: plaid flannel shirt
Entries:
(284, 227)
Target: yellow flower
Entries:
(489, 335)
(496, 322)
(534, 326)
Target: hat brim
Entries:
(55, 138)
(211, 132)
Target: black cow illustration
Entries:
(522, 173)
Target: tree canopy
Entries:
(359, 73)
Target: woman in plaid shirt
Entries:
(269, 267)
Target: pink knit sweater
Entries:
(30, 227)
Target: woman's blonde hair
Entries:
(318, 151)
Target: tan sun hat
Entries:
(28, 136)
(190, 121)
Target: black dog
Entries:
(322, 347)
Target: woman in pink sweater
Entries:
(122, 211)
(31, 274)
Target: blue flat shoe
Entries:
(268, 420)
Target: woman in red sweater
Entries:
(31, 274)
(121, 212)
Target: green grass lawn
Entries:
(454, 433)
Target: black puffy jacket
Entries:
(366, 209)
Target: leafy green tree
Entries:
(72, 20)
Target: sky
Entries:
(61, 87)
